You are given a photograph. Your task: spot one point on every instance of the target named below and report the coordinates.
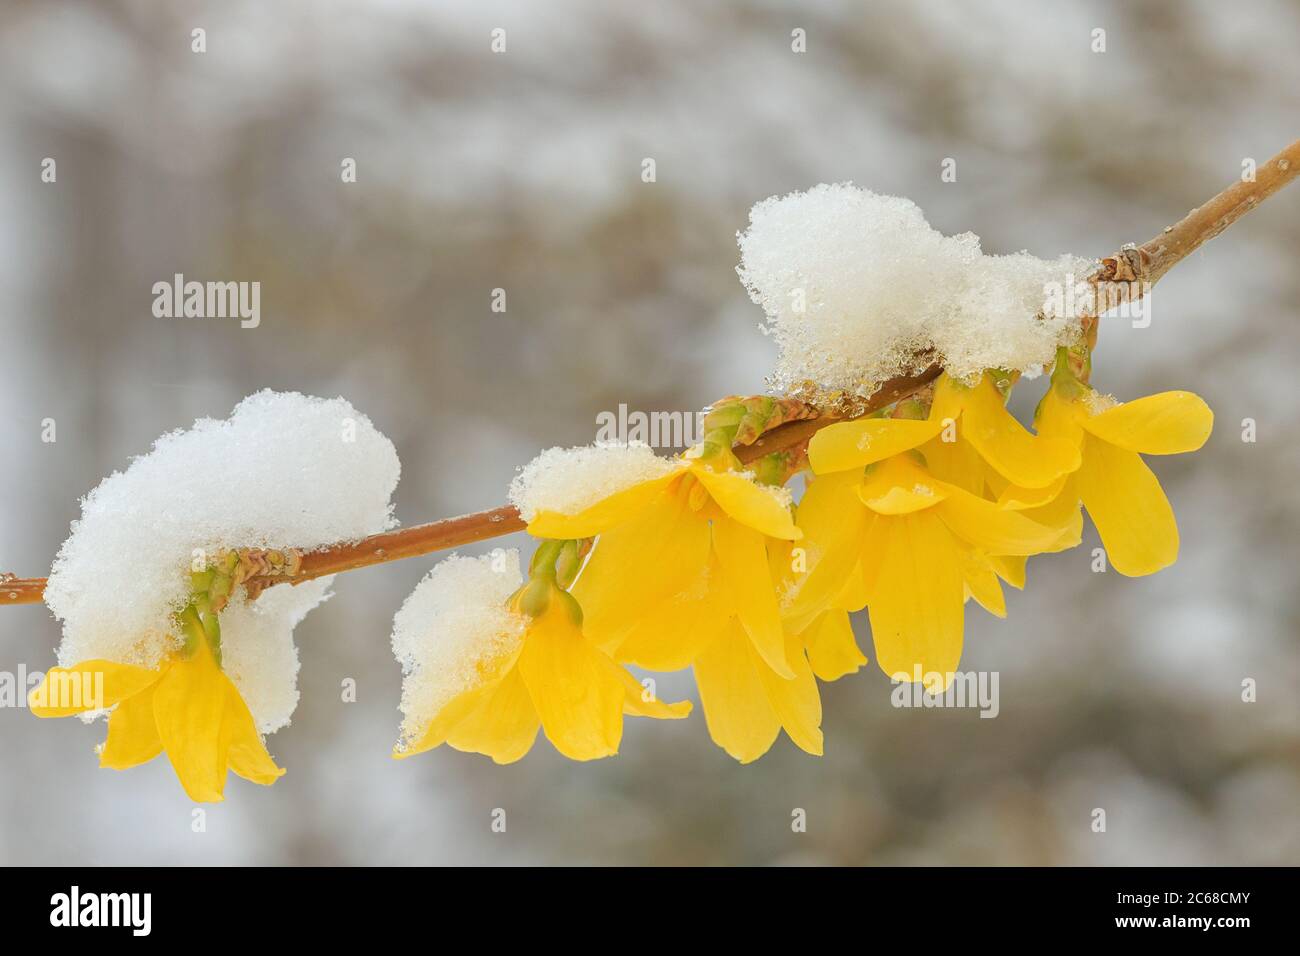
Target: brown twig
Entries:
(483, 525)
(409, 542)
(1128, 274)
(1144, 265)
(15, 590)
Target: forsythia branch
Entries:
(1202, 224)
(483, 525)
(1126, 275)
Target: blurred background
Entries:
(522, 171)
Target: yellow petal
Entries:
(916, 606)
(503, 726)
(1023, 458)
(1058, 416)
(737, 711)
(949, 399)
(995, 485)
(796, 702)
(577, 697)
(447, 719)
(871, 555)
(640, 564)
(899, 486)
(833, 521)
(639, 701)
(189, 707)
(672, 634)
(90, 685)
(955, 462)
(982, 583)
(1129, 508)
(995, 530)
(832, 649)
(748, 502)
(854, 595)
(780, 558)
(248, 754)
(1010, 568)
(851, 445)
(607, 513)
(747, 578)
(1016, 498)
(1062, 514)
(1165, 424)
(132, 733)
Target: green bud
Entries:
(543, 561)
(570, 604)
(717, 441)
(191, 630)
(220, 588)
(212, 632)
(568, 564)
(536, 596)
(715, 450)
(772, 468)
(727, 415)
(1071, 364)
(910, 408)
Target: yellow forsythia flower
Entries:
(1121, 494)
(967, 441)
(659, 538)
(680, 578)
(554, 678)
(186, 706)
(918, 545)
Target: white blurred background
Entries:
(522, 171)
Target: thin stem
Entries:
(21, 590)
(409, 542)
(1205, 222)
(483, 525)
(1144, 265)
(1128, 274)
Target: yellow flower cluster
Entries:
(909, 515)
(705, 567)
